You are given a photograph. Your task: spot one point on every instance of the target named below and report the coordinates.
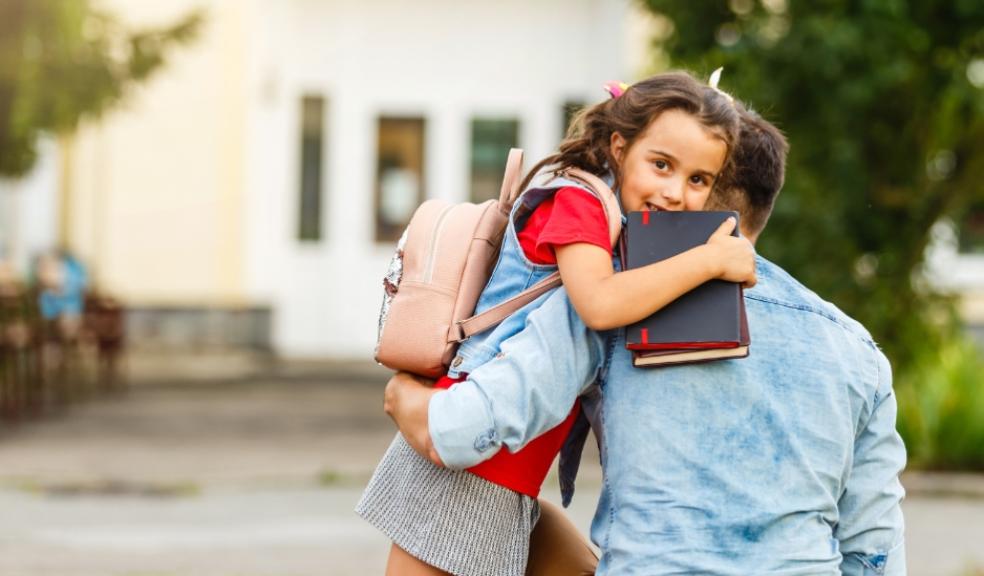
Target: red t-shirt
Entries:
(571, 215)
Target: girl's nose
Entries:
(672, 193)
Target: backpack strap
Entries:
(464, 329)
(467, 328)
(511, 181)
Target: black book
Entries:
(655, 358)
(707, 323)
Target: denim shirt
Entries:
(785, 462)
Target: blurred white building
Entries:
(252, 191)
(956, 265)
(250, 194)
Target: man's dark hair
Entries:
(757, 172)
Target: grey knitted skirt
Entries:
(453, 520)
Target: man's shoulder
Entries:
(776, 287)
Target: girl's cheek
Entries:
(697, 201)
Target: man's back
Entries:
(759, 465)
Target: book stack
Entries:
(707, 323)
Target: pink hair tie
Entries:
(616, 89)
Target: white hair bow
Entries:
(713, 83)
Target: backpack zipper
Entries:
(432, 249)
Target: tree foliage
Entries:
(63, 60)
(883, 104)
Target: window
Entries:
(491, 140)
(569, 110)
(971, 230)
(399, 175)
(312, 143)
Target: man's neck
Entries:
(750, 236)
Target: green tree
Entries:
(883, 103)
(64, 60)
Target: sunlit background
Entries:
(198, 199)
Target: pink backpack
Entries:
(442, 264)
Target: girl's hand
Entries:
(733, 258)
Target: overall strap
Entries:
(467, 328)
(511, 181)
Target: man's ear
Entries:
(617, 147)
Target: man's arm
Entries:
(870, 529)
(405, 400)
(527, 390)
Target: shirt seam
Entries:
(819, 312)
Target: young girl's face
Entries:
(672, 165)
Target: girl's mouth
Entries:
(653, 208)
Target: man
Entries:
(785, 462)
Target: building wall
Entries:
(445, 61)
(156, 185)
(187, 197)
(954, 272)
(29, 210)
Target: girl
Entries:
(662, 143)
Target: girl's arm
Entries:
(607, 300)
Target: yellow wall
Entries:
(156, 187)
(972, 307)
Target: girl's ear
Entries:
(617, 147)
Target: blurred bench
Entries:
(103, 326)
(49, 363)
(21, 373)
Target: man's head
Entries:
(757, 172)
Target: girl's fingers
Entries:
(726, 227)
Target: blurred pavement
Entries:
(232, 465)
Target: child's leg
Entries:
(402, 564)
(557, 548)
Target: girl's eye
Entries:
(698, 180)
(661, 164)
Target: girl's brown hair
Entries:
(588, 142)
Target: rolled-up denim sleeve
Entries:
(871, 527)
(525, 391)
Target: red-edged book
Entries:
(707, 323)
